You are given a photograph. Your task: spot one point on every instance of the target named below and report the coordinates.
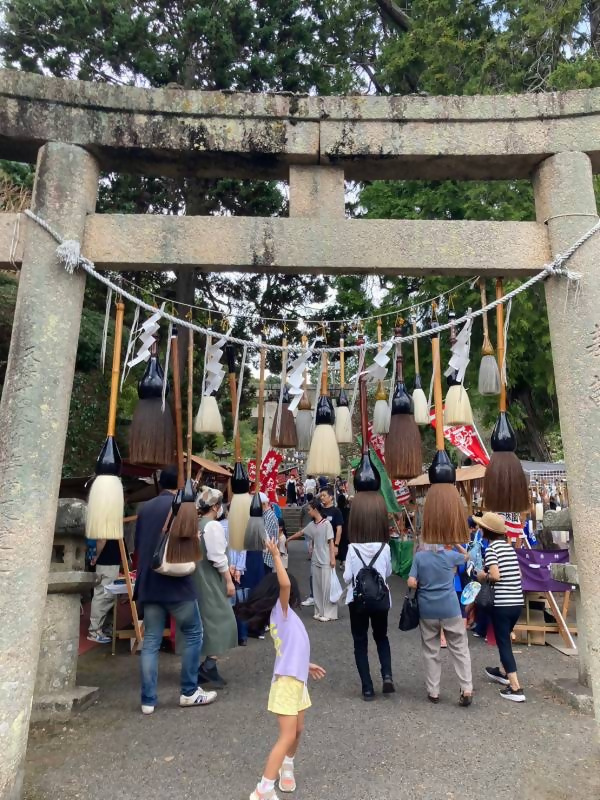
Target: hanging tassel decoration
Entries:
(104, 518)
(105, 329)
(419, 398)
(403, 448)
(489, 374)
(444, 514)
(184, 541)
(255, 534)
(505, 485)
(304, 417)
(324, 454)
(239, 508)
(382, 412)
(283, 432)
(343, 420)
(458, 408)
(208, 419)
(368, 513)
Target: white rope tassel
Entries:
(166, 371)
(69, 254)
(393, 380)
(239, 392)
(361, 364)
(284, 358)
(105, 330)
(133, 331)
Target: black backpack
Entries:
(370, 590)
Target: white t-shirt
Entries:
(383, 565)
(310, 486)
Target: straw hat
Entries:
(491, 522)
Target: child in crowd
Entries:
(273, 601)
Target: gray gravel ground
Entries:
(395, 748)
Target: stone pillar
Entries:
(317, 192)
(34, 411)
(563, 186)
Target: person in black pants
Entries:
(378, 555)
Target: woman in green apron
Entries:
(214, 586)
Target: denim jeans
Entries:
(359, 625)
(187, 617)
(504, 619)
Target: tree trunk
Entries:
(594, 13)
(535, 439)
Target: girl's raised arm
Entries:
(282, 576)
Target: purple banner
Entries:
(535, 569)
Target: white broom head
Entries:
(104, 519)
(324, 454)
(208, 418)
(239, 514)
(343, 425)
(304, 429)
(489, 376)
(458, 408)
(421, 407)
(381, 417)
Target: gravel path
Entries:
(395, 748)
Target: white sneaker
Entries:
(199, 698)
(310, 601)
(147, 710)
(256, 795)
(324, 619)
(316, 616)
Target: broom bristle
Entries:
(505, 485)
(152, 434)
(444, 516)
(181, 551)
(239, 514)
(255, 534)
(381, 417)
(288, 437)
(104, 518)
(324, 454)
(403, 448)
(185, 524)
(368, 520)
(343, 425)
(208, 419)
(489, 376)
(304, 429)
(421, 408)
(457, 409)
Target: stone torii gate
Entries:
(74, 129)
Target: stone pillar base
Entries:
(59, 706)
(572, 692)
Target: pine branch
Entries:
(395, 14)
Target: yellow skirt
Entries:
(288, 697)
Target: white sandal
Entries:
(287, 781)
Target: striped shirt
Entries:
(508, 590)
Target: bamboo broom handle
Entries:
(500, 343)
(416, 347)
(237, 442)
(116, 369)
(486, 331)
(399, 358)
(324, 389)
(190, 402)
(177, 398)
(342, 363)
(364, 414)
(437, 393)
(261, 418)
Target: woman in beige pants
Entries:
(432, 573)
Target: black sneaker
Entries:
(494, 674)
(388, 685)
(368, 695)
(516, 695)
(211, 677)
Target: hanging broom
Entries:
(324, 454)
(368, 513)
(283, 432)
(104, 519)
(343, 420)
(184, 541)
(489, 374)
(152, 433)
(444, 515)
(505, 484)
(420, 404)
(304, 419)
(239, 508)
(255, 535)
(208, 418)
(403, 449)
(457, 408)
(381, 413)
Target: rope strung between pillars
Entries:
(68, 253)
